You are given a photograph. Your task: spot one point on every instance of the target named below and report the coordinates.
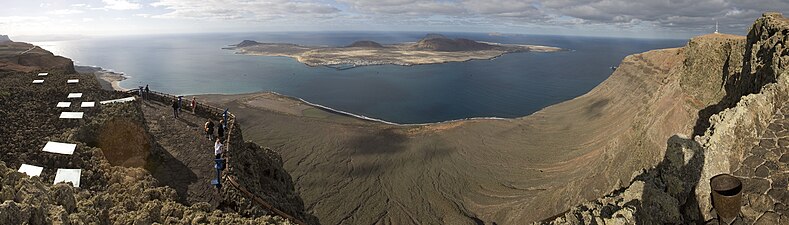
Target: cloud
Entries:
(65, 12)
(668, 14)
(120, 5)
(242, 10)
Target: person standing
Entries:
(209, 129)
(140, 92)
(175, 108)
(220, 130)
(194, 104)
(147, 92)
(180, 99)
(218, 149)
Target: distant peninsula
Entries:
(432, 49)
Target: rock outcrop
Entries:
(753, 83)
(4, 38)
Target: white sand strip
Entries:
(129, 99)
(68, 175)
(38, 81)
(71, 115)
(73, 81)
(74, 95)
(88, 104)
(43, 74)
(30, 170)
(64, 104)
(60, 148)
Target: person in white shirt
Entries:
(218, 149)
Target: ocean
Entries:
(509, 86)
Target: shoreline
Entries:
(109, 80)
(366, 118)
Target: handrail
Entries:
(229, 178)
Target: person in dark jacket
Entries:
(175, 108)
(220, 130)
(209, 129)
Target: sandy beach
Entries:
(107, 79)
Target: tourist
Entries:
(209, 129)
(175, 108)
(140, 92)
(147, 92)
(194, 104)
(180, 99)
(218, 148)
(220, 130)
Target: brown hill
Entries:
(366, 44)
(437, 42)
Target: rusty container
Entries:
(726, 195)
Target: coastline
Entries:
(108, 80)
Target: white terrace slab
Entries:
(74, 95)
(129, 99)
(72, 81)
(71, 115)
(43, 74)
(68, 175)
(38, 81)
(88, 104)
(60, 148)
(64, 104)
(30, 170)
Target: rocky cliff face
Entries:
(749, 83)
(4, 38)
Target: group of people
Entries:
(220, 135)
(177, 105)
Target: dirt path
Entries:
(185, 159)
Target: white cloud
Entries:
(65, 12)
(242, 10)
(87, 19)
(120, 5)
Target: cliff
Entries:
(18, 56)
(750, 88)
(4, 38)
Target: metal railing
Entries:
(212, 112)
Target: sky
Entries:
(618, 18)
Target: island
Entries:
(432, 49)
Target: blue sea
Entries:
(512, 85)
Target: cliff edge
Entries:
(753, 88)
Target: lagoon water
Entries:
(513, 85)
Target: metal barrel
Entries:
(726, 195)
